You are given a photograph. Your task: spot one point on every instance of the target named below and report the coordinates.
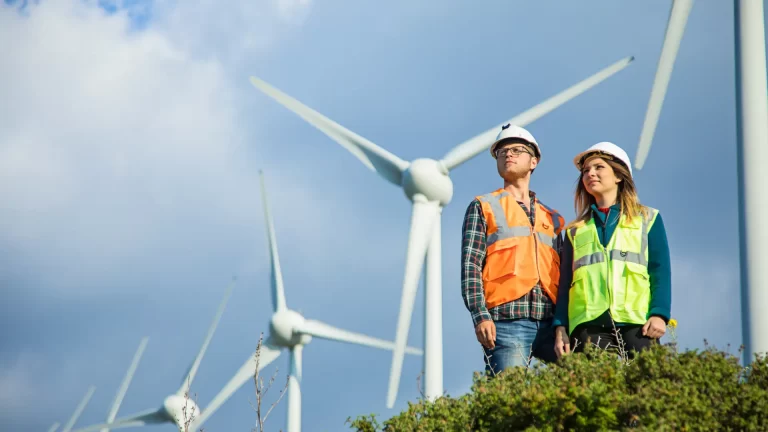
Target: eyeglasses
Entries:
(516, 151)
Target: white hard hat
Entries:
(509, 131)
(605, 147)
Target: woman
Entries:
(615, 276)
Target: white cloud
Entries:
(294, 10)
(18, 385)
(228, 30)
(114, 142)
(123, 151)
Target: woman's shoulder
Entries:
(577, 223)
(649, 212)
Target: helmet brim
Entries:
(582, 157)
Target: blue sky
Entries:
(130, 142)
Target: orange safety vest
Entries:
(517, 257)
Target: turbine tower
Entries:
(752, 149)
(427, 185)
(177, 408)
(287, 329)
(752, 144)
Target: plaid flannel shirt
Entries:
(534, 305)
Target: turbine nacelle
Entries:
(429, 178)
(180, 409)
(284, 329)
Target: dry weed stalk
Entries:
(420, 386)
(488, 361)
(526, 360)
(621, 345)
(188, 420)
(261, 390)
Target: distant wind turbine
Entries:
(177, 408)
(126, 382)
(76, 414)
(427, 185)
(752, 148)
(287, 329)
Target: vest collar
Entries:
(501, 190)
(613, 213)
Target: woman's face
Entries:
(598, 177)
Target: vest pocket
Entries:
(637, 289)
(578, 300)
(583, 238)
(636, 274)
(501, 263)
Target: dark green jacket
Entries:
(659, 268)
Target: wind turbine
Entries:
(678, 18)
(177, 408)
(126, 382)
(76, 414)
(427, 185)
(287, 329)
(752, 148)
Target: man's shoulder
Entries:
(546, 207)
(474, 208)
(487, 196)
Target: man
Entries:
(510, 259)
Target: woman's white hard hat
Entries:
(608, 148)
(512, 132)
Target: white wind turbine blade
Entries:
(278, 289)
(678, 17)
(325, 331)
(371, 155)
(152, 416)
(482, 142)
(294, 390)
(126, 382)
(267, 355)
(187, 382)
(54, 427)
(422, 219)
(79, 410)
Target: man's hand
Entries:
(562, 342)
(654, 327)
(486, 333)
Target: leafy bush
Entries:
(658, 390)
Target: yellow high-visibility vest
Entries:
(614, 277)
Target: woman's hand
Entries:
(562, 343)
(654, 327)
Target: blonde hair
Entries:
(629, 203)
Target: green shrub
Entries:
(657, 390)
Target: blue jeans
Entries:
(516, 343)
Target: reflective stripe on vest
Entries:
(517, 255)
(613, 278)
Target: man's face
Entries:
(514, 160)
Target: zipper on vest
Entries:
(608, 266)
(605, 225)
(536, 245)
(608, 285)
(536, 252)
